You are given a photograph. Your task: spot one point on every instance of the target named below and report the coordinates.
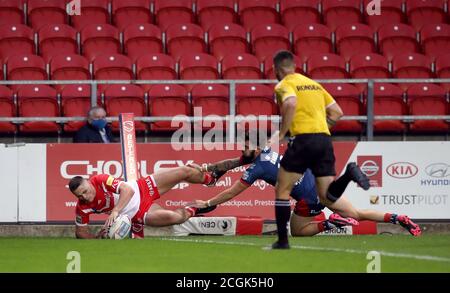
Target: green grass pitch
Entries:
(429, 253)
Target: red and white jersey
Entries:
(106, 198)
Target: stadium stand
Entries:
(168, 12)
(56, 39)
(92, 12)
(7, 109)
(182, 38)
(389, 101)
(75, 102)
(38, 101)
(217, 12)
(100, 39)
(142, 39)
(125, 98)
(226, 39)
(16, 39)
(299, 12)
(229, 39)
(167, 100)
(127, 12)
(213, 100)
(42, 12)
(11, 12)
(311, 39)
(349, 98)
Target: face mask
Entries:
(99, 124)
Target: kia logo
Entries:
(370, 168)
(128, 126)
(438, 170)
(402, 170)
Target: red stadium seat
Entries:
(268, 67)
(348, 98)
(395, 39)
(99, 39)
(42, 12)
(299, 12)
(351, 36)
(443, 69)
(26, 67)
(127, 98)
(141, 39)
(339, 12)
(38, 101)
(411, 66)
(168, 12)
(435, 39)
(253, 12)
(55, 39)
(421, 12)
(388, 100)
(213, 99)
(267, 39)
(227, 39)
(241, 66)
(198, 66)
(69, 67)
(215, 12)
(112, 67)
(11, 12)
(391, 13)
(182, 38)
(16, 39)
(155, 66)
(92, 12)
(256, 100)
(428, 99)
(75, 102)
(7, 109)
(369, 66)
(126, 12)
(326, 66)
(312, 39)
(167, 100)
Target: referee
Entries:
(308, 111)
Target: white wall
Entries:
(9, 184)
(32, 162)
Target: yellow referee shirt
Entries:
(312, 100)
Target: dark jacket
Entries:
(89, 134)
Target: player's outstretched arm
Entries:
(226, 195)
(222, 166)
(126, 193)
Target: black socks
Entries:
(282, 214)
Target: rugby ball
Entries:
(120, 228)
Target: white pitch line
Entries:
(355, 251)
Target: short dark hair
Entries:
(75, 182)
(281, 56)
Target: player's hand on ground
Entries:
(102, 234)
(111, 218)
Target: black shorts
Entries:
(313, 151)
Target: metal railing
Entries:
(368, 119)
